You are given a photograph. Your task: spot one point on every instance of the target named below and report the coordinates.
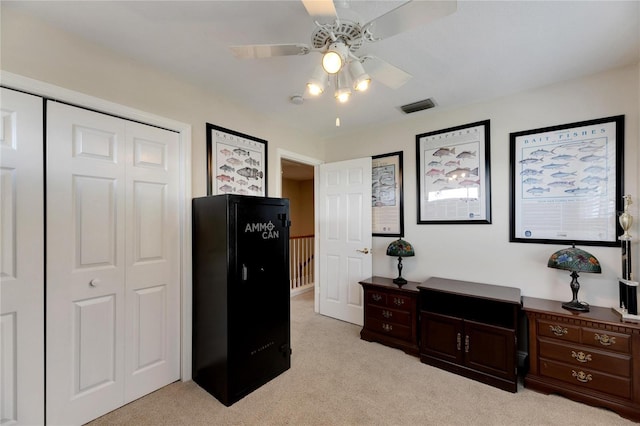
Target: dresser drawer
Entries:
(559, 330)
(389, 328)
(376, 297)
(606, 340)
(585, 357)
(390, 315)
(398, 301)
(587, 378)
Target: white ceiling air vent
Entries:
(418, 106)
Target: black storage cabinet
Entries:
(241, 309)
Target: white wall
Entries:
(483, 252)
(34, 49)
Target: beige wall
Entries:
(300, 195)
(34, 49)
(475, 252)
(483, 252)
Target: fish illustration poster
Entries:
(564, 183)
(453, 175)
(386, 195)
(239, 163)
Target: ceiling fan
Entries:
(338, 40)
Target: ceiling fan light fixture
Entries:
(343, 88)
(317, 82)
(334, 58)
(361, 80)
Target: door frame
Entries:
(299, 158)
(46, 90)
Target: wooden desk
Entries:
(591, 357)
(390, 313)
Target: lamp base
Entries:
(575, 305)
(400, 281)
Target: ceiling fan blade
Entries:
(321, 9)
(257, 51)
(408, 16)
(387, 74)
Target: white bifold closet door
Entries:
(113, 262)
(21, 259)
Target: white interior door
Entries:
(112, 262)
(344, 207)
(21, 259)
(85, 264)
(152, 343)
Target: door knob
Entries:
(365, 251)
(94, 282)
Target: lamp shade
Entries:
(335, 57)
(400, 248)
(574, 259)
(317, 81)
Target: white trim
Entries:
(39, 88)
(288, 155)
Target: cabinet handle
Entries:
(387, 327)
(558, 330)
(398, 302)
(376, 297)
(605, 340)
(466, 343)
(459, 341)
(581, 356)
(581, 376)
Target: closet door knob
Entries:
(94, 282)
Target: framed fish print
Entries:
(453, 172)
(566, 183)
(387, 217)
(236, 163)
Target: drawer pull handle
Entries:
(605, 340)
(581, 356)
(581, 376)
(387, 314)
(387, 327)
(398, 301)
(459, 341)
(376, 297)
(558, 330)
(466, 343)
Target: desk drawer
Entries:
(587, 378)
(400, 302)
(389, 328)
(606, 340)
(390, 315)
(376, 297)
(585, 357)
(559, 330)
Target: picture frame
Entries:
(566, 183)
(236, 163)
(453, 175)
(387, 195)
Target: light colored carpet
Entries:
(338, 379)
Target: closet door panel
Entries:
(153, 255)
(21, 259)
(85, 263)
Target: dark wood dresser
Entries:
(390, 314)
(591, 357)
(470, 329)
